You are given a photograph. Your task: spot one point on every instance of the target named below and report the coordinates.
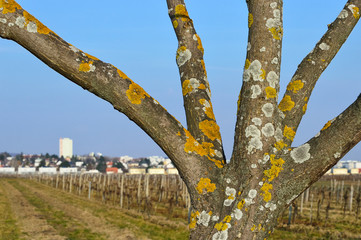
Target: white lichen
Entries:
(260, 183)
(223, 235)
(272, 78)
(20, 21)
(337, 155)
(31, 27)
(268, 130)
(268, 109)
(254, 165)
(324, 46)
(252, 193)
(74, 49)
(183, 57)
(215, 218)
(257, 121)
(248, 46)
(3, 20)
(278, 134)
(343, 14)
(301, 154)
(256, 90)
(228, 180)
(273, 5)
(231, 193)
(255, 71)
(263, 49)
(238, 214)
(252, 131)
(274, 60)
(203, 218)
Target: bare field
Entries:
(31, 210)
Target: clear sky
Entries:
(38, 106)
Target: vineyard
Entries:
(330, 209)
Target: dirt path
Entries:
(31, 210)
(31, 223)
(98, 225)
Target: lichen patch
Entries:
(136, 93)
(183, 55)
(301, 154)
(355, 11)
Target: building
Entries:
(65, 147)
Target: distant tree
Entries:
(244, 197)
(65, 164)
(102, 165)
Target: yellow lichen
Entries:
(286, 104)
(271, 92)
(241, 204)
(356, 12)
(263, 75)
(250, 20)
(276, 32)
(122, 75)
(210, 129)
(295, 86)
(41, 28)
(280, 145)
(85, 67)
(180, 10)
(175, 23)
(227, 219)
(266, 187)
(91, 57)
(247, 64)
(208, 110)
(9, 6)
(204, 149)
(289, 133)
(327, 125)
(178, 133)
(186, 87)
(204, 67)
(136, 93)
(193, 219)
(276, 168)
(200, 46)
(304, 108)
(253, 228)
(218, 163)
(205, 184)
(202, 86)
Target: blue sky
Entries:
(38, 106)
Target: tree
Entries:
(241, 198)
(102, 165)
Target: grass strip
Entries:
(8, 225)
(65, 225)
(115, 216)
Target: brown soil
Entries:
(31, 223)
(87, 219)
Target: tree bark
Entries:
(241, 199)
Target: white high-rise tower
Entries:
(65, 147)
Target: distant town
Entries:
(66, 162)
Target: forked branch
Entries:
(201, 121)
(294, 102)
(102, 79)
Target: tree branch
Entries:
(201, 121)
(257, 118)
(308, 162)
(105, 81)
(297, 95)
